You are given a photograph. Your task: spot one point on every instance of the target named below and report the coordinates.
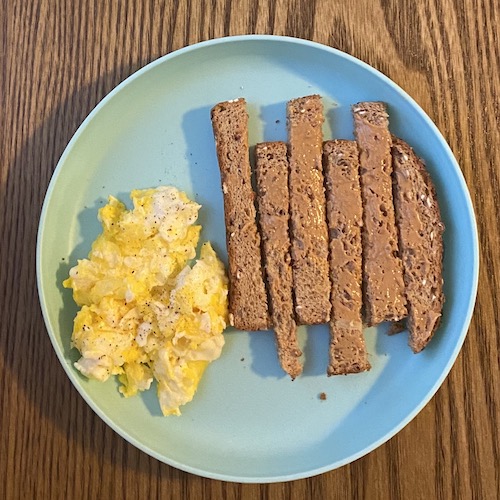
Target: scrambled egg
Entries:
(145, 313)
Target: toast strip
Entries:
(345, 219)
(273, 205)
(384, 296)
(248, 308)
(307, 211)
(421, 242)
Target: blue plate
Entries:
(248, 422)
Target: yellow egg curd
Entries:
(146, 313)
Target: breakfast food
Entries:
(345, 219)
(309, 232)
(420, 238)
(248, 308)
(145, 312)
(384, 289)
(271, 168)
(370, 248)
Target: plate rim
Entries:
(474, 274)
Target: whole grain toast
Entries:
(307, 211)
(384, 290)
(248, 308)
(420, 238)
(345, 219)
(271, 168)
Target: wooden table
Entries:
(59, 58)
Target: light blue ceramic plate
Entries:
(249, 422)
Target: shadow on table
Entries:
(30, 365)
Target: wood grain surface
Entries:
(59, 58)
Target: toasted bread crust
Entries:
(248, 309)
(421, 241)
(273, 206)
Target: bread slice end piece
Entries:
(420, 239)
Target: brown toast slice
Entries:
(309, 233)
(384, 289)
(248, 309)
(421, 241)
(271, 169)
(345, 218)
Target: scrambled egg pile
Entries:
(145, 313)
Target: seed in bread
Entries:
(271, 169)
(384, 295)
(248, 308)
(345, 219)
(307, 211)
(420, 236)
